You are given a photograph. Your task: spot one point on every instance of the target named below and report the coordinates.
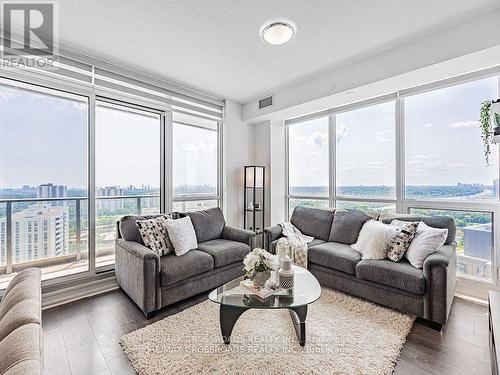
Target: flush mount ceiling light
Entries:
(278, 33)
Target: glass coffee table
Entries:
(234, 300)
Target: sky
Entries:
(43, 138)
(443, 142)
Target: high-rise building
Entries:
(52, 191)
(38, 231)
(110, 204)
(476, 258)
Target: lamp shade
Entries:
(254, 176)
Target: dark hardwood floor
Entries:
(82, 338)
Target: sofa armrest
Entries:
(137, 270)
(137, 250)
(272, 234)
(440, 275)
(239, 235)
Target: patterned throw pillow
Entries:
(154, 234)
(404, 235)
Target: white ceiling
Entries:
(215, 45)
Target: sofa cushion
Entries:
(442, 222)
(346, 226)
(313, 222)
(22, 290)
(22, 313)
(21, 351)
(401, 275)
(314, 242)
(208, 224)
(33, 274)
(176, 268)
(336, 256)
(225, 251)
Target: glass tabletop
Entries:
(306, 290)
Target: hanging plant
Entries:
(485, 124)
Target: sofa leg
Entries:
(435, 326)
(149, 315)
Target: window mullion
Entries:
(220, 164)
(163, 165)
(400, 155)
(168, 162)
(91, 185)
(287, 171)
(332, 152)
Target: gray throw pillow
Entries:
(346, 226)
(405, 232)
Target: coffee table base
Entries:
(229, 315)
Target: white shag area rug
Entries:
(344, 335)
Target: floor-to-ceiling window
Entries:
(445, 162)
(128, 174)
(308, 174)
(417, 151)
(195, 167)
(43, 180)
(365, 169)
(80, 148)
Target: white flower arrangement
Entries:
(259, 260)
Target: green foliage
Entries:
(497, 118)
(485, 124)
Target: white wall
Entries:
(238, 151)
(269, 151)
(277, 172)
(262, 157)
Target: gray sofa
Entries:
(21, 325)
(427, 292)
(153, 282)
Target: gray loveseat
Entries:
(427, 293)
(153, 282)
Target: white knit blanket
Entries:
(296, 243)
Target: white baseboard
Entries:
(479, 301)
(74, 293)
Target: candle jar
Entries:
(286, 274)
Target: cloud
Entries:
(319, 139)
(382, 136)
(464, 125)
(341, 131)
(427, 126)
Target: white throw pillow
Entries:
(374, 239)
(427, 240)
(182, 235)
